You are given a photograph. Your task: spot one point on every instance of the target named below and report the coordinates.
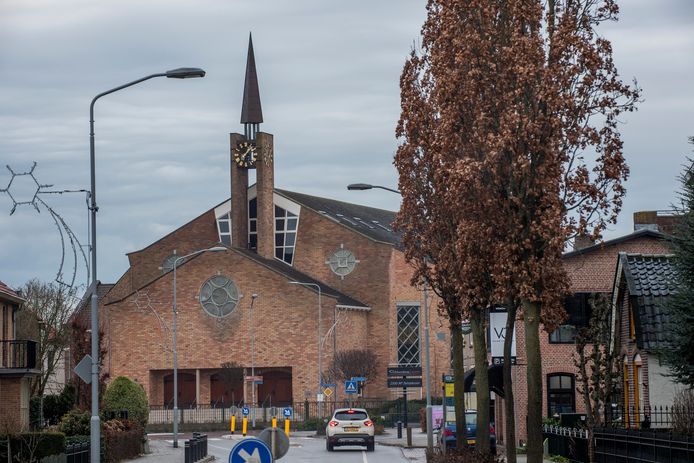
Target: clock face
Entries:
(245, 154)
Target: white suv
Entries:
(350, 426)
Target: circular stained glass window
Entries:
(219, 296)
(342, 262)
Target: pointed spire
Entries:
(251, 112)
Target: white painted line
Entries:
(363, 457)
(220, 448)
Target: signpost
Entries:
(497, 335)
(250, 450)
(404, 377)
(350, 387)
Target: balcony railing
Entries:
(17, 355)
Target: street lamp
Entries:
(320, 344)
(367, 186)
(427, 358)
(253, 298)
(173, 337)
(95, 432)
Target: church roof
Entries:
(376, 224)
(295, 275)
(251, 111)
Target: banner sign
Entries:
(404, 371)
(497, 335)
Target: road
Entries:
(312, 449)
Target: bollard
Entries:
(409, 436)
(186, 452)
(233, 423)
(286, 427)
(274, 422)
(244, 426)
(399, 424)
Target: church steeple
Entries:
(251, 111)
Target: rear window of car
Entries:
(353, 415)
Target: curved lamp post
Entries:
(368, 186)
(427, 362)
(173, 337)
(320, 344)
(95, 432)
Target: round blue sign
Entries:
(246, 411)
(287, 412)
(250, 449)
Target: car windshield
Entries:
(470, 420)
(350, 415)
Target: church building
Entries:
(275, 282)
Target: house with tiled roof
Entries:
(17, 364)
(641, 289)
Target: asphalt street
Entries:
(312, 449)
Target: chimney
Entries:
(660, 221)
(582, 241)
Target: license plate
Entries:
(351, 429)
(471, 441)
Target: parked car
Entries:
(447, 434)
(350, 426)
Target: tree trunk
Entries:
(509, 408)
(479, 336)
(534, 379)
(459, 383)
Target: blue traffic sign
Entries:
(246, 411)
(250, 449)
(359, 378)
(351, 387)
(287, 412)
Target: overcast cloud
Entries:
(328, 73)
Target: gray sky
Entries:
(328, 73)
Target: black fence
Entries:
(17, 354)
(387, 412)
(571, 443)
(645, 446)
(646, 417)
(78, 453)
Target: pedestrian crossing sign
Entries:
(351, 387)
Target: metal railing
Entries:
(18, 354)
(390, 410)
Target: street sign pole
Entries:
(404, 399)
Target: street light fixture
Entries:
(367, 186)
(95, 432)
(173, 337)
(427, 358)
(320, 343)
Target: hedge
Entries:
(32, 446)
(125, 394)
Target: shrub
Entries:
(122, 439)
(33, 446)
(75, 423)
(125, 394)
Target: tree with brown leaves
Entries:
(510, 113)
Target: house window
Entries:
(408, 334)
(561, 394)
(578, 308)
(286, 224)
(625, 387)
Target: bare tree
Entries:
(45, 315)
(597, 366)
(352, 364)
